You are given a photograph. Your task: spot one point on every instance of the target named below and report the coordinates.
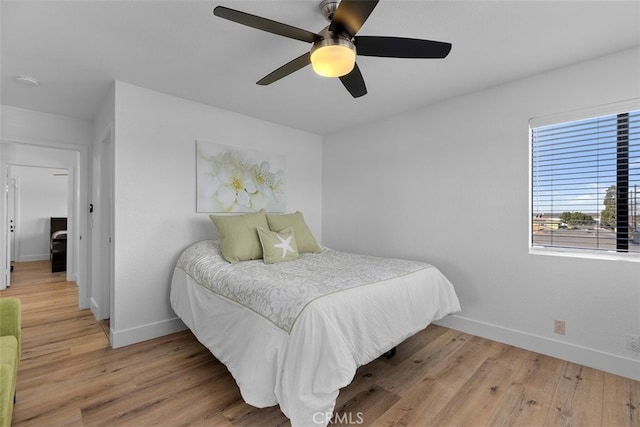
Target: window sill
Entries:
(573, 253)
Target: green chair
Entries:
(10, 341)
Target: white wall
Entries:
(448, 184)
(19, 124)
(155, 218)
(42, 193)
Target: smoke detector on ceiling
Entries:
(27, 80)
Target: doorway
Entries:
(74, 160)
(36, 194)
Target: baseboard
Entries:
(95, 310)
(29, 258)
(145, 332)
(607, 362)
(93, 307)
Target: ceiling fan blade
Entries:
(399, 47)
(265, 24)
(354, 82)
(288, 68)
(351, 14)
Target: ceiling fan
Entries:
(334, 48)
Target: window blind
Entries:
(585, 183)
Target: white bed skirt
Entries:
(334, 335)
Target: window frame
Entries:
(581, 114)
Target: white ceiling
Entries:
(78, 48)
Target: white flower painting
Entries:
(233, 180)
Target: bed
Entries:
(58, 244)
(294, 333)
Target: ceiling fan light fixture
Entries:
(333, 53)
(333, 57)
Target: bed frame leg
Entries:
(389, 354)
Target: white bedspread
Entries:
(299, 358)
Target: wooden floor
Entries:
(69, 376)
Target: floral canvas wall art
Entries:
(229, 179)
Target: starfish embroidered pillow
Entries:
(278, 246)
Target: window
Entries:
(585, 181)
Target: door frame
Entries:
(102, 226)
(78, 216)
(13, 212)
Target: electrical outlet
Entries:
(633, 342)
(559, 326)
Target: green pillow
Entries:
(238, 236)
(278, 247)
(304, 238)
